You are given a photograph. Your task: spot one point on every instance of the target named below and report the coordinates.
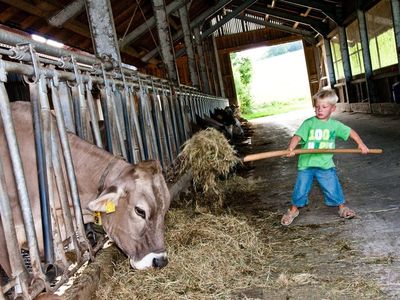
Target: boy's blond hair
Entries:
(326, 95)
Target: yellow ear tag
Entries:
(97, 218)
(110, 207)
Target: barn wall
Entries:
(312, 67)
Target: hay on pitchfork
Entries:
(210, 157)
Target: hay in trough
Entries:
(210, 158)
(210, 258)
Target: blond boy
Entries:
(320, 132)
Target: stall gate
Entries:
(127, 113)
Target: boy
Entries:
(320, 132)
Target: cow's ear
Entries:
(107, 201)
(152, 166)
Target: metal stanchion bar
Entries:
(69, 166)
(12, 143)
(10, 234)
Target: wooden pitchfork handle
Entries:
(264, 155)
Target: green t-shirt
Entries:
(317, 134)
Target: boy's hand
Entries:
(364, 149)
(291, 153)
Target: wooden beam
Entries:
(28, 21)
(149, 23)
(195, 23)
(321, 28)
(228, 17)
(303, 15)
(68, 12)
(71, 25)
(307, 35)
(7, 14)
(329, 9)
(274, 42)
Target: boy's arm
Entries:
(292, 145)
(354, 135)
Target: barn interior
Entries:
(152, 67)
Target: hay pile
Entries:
(232, 257)
(210, 158)
(210, 258)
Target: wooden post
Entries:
(102, 28)
(187, 36)
(396, 23)
(165, 41)
(202, 63)
(218, 65)
(366, 56)
(329, 63)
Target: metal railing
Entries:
(144, 118)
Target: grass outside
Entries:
(277, 107)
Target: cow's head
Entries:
(133, 205)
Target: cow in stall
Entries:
(138, 194)
(223, 120)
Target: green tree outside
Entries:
(242, 72)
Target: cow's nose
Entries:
(160, 262)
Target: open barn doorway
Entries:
(271, 80)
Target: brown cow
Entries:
(139, 193)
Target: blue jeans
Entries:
(328, 181)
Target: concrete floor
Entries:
(371, 185)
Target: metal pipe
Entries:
(17, 266)
(185, 111)
(149, 125)
(139, 152)
(55, 251)
(42, 172)
(128, 130)
(168, 127)
(93, 115)
(172, 112)
(142, 121)
(106, 119)
(62, 193)
(81, 104)
(28, 70)
(178, 110)
(14, 39)
(66, 106)
(77, 111)
(69, 166)
(22, 190)
(114, 104)
(160, 132)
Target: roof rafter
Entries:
(148, 24)
(307, 35)
(228, 17)
(330, 10)
(195, 23)
(320, 27)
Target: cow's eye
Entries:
(140, 212)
